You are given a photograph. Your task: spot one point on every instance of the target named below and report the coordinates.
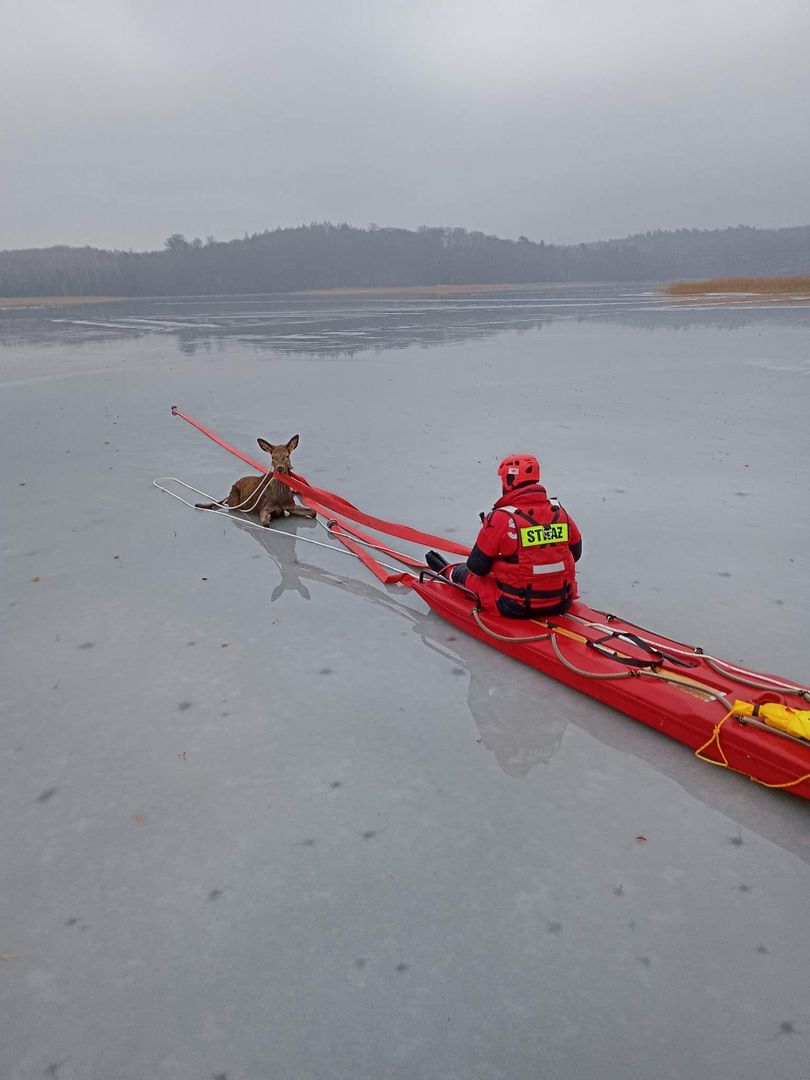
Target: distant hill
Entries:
(321, 256)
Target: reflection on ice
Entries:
(343, 327)
(511, 724)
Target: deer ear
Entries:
(291, 445)
(265, 445)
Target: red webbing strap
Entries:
(392, 528)
(216, 438)
(336, 503)
(341, 528)
(365, 557)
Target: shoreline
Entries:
(442, 290)
(795, 288)
(338, 290)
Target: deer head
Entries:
(280, 455)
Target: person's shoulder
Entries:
(499, 517)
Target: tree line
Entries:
(323, 256)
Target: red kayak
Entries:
(669, 686)
(748, 721)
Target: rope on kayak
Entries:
(591, 674)
(767, 682)
(723, 763)
(610, 617)
(552, 637)
(709, 692)
(721, 667)
(749, 721)
(675, 680)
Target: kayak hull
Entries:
(682, 695)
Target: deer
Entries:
(265, 495)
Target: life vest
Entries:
(540, 573)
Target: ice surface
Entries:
(262, 817)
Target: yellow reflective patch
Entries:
(533, 535)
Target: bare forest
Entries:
(324, 256)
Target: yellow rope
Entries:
(788, 784)
(715, 738)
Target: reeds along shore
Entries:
(798, 286)
(54, 301)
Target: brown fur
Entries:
(265, 495)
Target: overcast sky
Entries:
(123, 121)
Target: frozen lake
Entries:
(263, 818)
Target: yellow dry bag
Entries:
(792, 721)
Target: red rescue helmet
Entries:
(519, 469)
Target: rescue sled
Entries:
(754, 723)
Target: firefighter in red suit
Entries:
(522, 564)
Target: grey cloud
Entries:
(564, 122)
